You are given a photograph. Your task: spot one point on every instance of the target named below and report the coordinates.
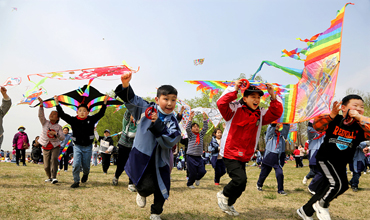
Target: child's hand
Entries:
(52, 133)
(106, 99)
(154, 116)
(182, 109)
(354, 114)
(191, 116)
(3, 90)
(238, 83)
(125, 79)
(204, 116)
(335, 110)
(270, 89)
(56, 99)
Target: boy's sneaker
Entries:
(303, 215)
(84, 178)
(75, 185)
(217, 184)
(54, 181)
(115, 181)
(283, 193)
(321, 213)
(312, 192)
(191, 187)
(304, 181)
(259, 188)
(197, 182)
(155, 217)
(48, 181)
(140, 201)
(355, 189)
(131, 188)
(232, 211)
(364, 172)
(223, 201)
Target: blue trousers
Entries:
(220, 170)
(81, 157)
(355, 179)
(196, 168)
(317, 181)
(265, 171)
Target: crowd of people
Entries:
(148, 146)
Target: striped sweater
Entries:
(196, 149)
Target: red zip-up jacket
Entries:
(243, 125)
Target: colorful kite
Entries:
(31, 98)
(199, 62)
(15, 9)
(12, 81)
(293, 132)
(185, 116)
(213, 114)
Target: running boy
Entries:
(343, 134)
(274, 156)
(148, 164)
(244, 120)
(82, 137)
(195, 150)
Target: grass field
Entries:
(24, 195)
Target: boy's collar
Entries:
(80, 118)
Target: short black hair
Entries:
(252, 89)
(193, 124)
(84, 106)
(215, 131)
(166, 90)
(65, 128)
(346, 99)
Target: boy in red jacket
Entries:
(244, 120)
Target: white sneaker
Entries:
(364, 172)
(140, 201)
(155, 217)
(48, 181)
(304, 181)
(191, 187)
(222, 202)
(309, 190)
(131, 188)
(232, 211)
(321, 213)
(197, 182)
(303, 215)
(54, 181)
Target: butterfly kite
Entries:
(314, 92)
(12, 81)
(199, 62)
(32, 97)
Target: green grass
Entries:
(25, 195)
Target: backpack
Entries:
(36, 154)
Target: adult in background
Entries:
(106, 148)
(302, 151)
(124, 147)
(95, 151)
(297, 157)
(20, 144)
(4, 108)
(36, 150)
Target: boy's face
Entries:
(195, 129)
(65, 131)
(106, 134)
(253, 100)
(53, 117)
(218, 134)
(353, 104)
(82, 112)
(166, 102)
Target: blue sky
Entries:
(163, 38)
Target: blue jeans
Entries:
(95, 158)
(81, 156)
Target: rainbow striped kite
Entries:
(64, 149)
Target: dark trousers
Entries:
(123, 153)
(298, 161)
(336, 183)
(219, 170)
(148, 185)
(235, 188)
(196, 168)
(18, 155)
(64, 162)
(105, 161)
(312, 172)
(265, 171)
(355, 179)
(317, 181)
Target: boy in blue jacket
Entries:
(148, 165)
(274, 155)
(357, 166)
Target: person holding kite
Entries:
(343, 134)
(83, 133)
(194, 160)
(274, 157)
(4, 108)
(148, 165)
(244, 120)
(50, 138)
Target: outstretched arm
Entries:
(205, 125)
(6, 104)
(41, 112)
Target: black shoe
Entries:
(355, 189)
(283, 193)
(84, 178)
(75, 185)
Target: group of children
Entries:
(335, 139)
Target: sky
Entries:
(163, 37)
